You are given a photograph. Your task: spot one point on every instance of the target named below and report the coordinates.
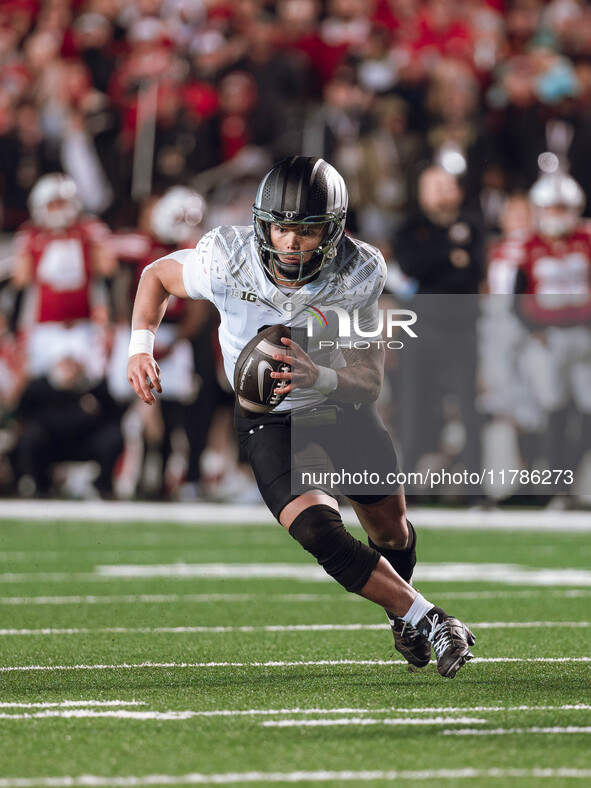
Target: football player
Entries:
(167, 223)
(295, 258)
(60, 263)
(505, 393)
(553, 283)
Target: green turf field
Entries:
(115, 663)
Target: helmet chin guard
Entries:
(286, 274)
(298, 191)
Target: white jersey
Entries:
(225, 269)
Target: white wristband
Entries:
(142, 341)
(326, 381)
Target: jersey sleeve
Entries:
(197, 265)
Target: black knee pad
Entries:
(403, 561)
(320, 531)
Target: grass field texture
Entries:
(218, 654)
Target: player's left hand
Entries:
(304, 371)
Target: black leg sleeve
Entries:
(403, 561)
(320, 530)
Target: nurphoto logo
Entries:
(393, 320)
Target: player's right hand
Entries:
(143, 374)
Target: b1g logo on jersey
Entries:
(244, 295)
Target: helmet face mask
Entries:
(300, 192)
(306, 263)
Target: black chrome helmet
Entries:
(300, 190)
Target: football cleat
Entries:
(415, 648)
(451, 642)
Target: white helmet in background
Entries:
(176, 217)
(54, 201)
(558, 202)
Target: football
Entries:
(253, 383)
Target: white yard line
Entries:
(180, 571)
(40, 513)
(505, 574)
(118, 714)
(364, 721)
(152, 599)
(181, 715)
(277, 628)
(274, 664)
(81, 708)
(512, 731)
(120, 512)
(168, 716)
(282, 778)
(393, 709)
(68, 703)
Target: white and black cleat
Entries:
(409, 642)
(451, 642)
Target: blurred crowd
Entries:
(128, 128)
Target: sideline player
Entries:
(61, 263)
(553, 286)
(297, 255)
